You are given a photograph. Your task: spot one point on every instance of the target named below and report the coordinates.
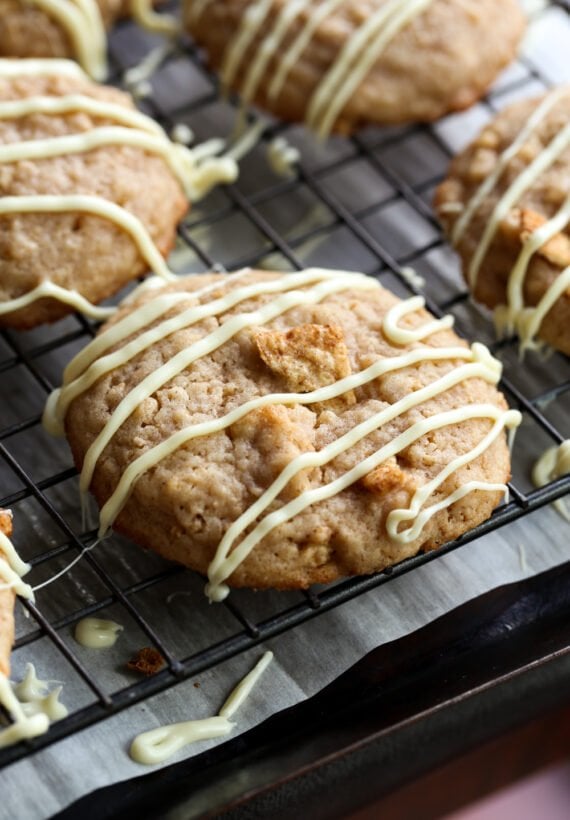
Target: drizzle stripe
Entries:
(251, 21)
(178, 157)
(12, 568)
(530, 320)
(223, 564)
(314, 19)
(512, 195)
(146, 17)
(412, 513)
(489, 182)
(269, 47)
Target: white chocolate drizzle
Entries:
(468, 212)
(36, 697)
(97, 633)
(514, 192)
(159, 744)
(514, 316)
(553, 464)
(23, 727)
(354, 61)
(412, 277)
(477, 363)
(146, 17)
(31, 705)
(82, 22)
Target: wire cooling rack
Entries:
(360, 203)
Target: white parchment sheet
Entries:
(311, 655)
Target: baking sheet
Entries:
(311, 655)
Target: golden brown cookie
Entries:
(69, 243)
(368, 404)
(342, 64)
(506, 207)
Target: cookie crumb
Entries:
(148, 661)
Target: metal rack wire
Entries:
(261, 206)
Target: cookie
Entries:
(90, 192)
(505, 206)
(63, 28)
(7, 600)
(341, 64)
(281, 430)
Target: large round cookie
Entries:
(506, 207)
(76, 250)
(426, 59)
(316, 328)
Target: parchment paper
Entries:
(311, 655)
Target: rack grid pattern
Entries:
(261, 209)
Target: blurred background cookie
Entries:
(341, 64)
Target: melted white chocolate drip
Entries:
(97, 633)
(353, 63)
(553, 464)
(159, 744)
(91, 365)
(31, 705)
(515, 316)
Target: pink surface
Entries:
(544, 796)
